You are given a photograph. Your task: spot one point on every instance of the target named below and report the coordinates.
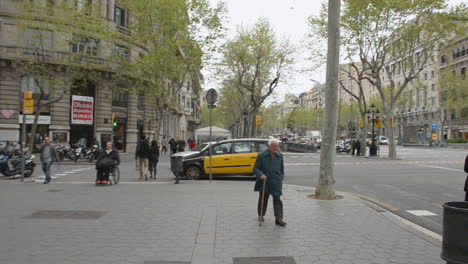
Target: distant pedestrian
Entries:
(358, 147)
(173, 145)
(269, 167)
(181, 145)
(106, 161)
(142, 155)
(153, 158)
(353, 147)
(47, 156)
(466, 181)
(164, 145)
(191, 143)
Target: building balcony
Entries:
(55, 57)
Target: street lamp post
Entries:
(372, 117)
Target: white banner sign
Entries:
(82, 110)
(42, 120)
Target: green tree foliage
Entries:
(175, 36)
(48, 63)
(453, 96)
(394, 40)
(254, 62)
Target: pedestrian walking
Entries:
(181, 145)
(269, 169)
(466, 181)
(153, 158)
(353, 147)
(191, 143)
(164, 145)
(106, 161)
(142, 155)
(358, 147)
(47, 156)
(173, 145)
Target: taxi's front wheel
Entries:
(193, 172)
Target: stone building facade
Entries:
(134, 115)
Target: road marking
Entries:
(92, 183)
(437, 167)
(421, 212)
(60, 174)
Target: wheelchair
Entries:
(114, 176)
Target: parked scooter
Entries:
(92, 153)
(10, 165)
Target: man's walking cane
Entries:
(260, 219)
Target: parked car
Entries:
(383, 140)
(230, 157)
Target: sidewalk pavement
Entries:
(196, 222)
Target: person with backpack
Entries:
(142, 155)
(153, 158)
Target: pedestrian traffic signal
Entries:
(258, 120)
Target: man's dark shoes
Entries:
(280, 223)
(46, 181)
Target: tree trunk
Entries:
(37, 112)
(254, 123)
(391, 136)
(442, 126)
(326, 186)
(363, 134)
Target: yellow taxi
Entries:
(229, 157)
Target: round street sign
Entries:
(211, 96)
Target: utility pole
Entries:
(326, 186)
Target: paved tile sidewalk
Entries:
(197, 222)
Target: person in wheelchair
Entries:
(107, 160)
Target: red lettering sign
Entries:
(82, 110)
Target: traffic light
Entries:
(28, 103)
(114, 123)
(258, 120)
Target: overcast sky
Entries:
(289, 19)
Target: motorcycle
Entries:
(77, 153)
(10, 165)
(92, 153)
(63, 152)
(343, 148)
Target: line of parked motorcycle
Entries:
(77, 152)
(10, 160)
(10, 157)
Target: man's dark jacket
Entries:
(107, 160)
(273, 169)
(142, 150)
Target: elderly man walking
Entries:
(270, 168)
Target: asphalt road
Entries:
(422, 179)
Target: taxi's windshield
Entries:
(200, 147)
